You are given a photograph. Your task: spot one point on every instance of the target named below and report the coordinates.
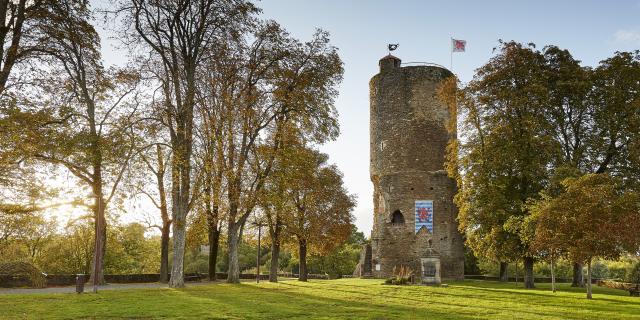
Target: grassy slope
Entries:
(348, 298)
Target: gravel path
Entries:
(89, 288)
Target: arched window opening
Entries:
(397, 217)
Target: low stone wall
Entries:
(9, 281)
(520, 279)
(53, 280)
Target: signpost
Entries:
(259, 225)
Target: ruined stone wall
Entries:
(408, 144)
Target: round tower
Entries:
(413, 197)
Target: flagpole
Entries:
(451, 53)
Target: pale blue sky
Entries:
(591, 30)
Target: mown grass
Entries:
(328, 299)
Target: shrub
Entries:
(633, 274)
(26, 269)
(401, 276)
(599, 270)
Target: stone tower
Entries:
(414, 213)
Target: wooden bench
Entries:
(634, 292)
(195, 277)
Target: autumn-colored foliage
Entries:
(593, 218)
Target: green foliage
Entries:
(247, 253)
(130, 252)
(195, 262)
(530, 120)
(503, 155)
(70, 250)
(470, 262)
(340, 261)
(633, 274)
(562, 269)
(284, 261)
(23, 232)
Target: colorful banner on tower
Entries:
(424, 215)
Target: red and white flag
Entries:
(458, 45)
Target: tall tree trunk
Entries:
(274, 232)
(214, 241)
(504, 277)
(164, 252)
(302, 252)
(164, 214)
(589, 279)
(275, 260)
(528, 273)
(578, 279)
(179, 239)
(212, 225)
(12, 51)
(553, 277)
(233, 274)
(100, 235)
(180, 193)
(100, 223)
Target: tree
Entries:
(21, 33)
(26, 31)
(210, 156)
(504, 158)
(130, 252)
(568, 116)
(261, 86)
(71, 250)
(90, 133)
(157, 163)
(615, 103)
(322, 219)
(594, 217)
(15, 222)
(275, 202)
(181, 36)
(592, 121)
(340, 261)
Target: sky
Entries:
(361, 30)
(590, 30)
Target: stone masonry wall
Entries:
(408, 145)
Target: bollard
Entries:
(80, 283)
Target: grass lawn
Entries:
(328, 299)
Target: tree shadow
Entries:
(294, 303)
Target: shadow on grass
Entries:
(296, 303)
(325, 299)
(518, 298)
(447, 296)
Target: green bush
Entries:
(402, 275)
(633, 274)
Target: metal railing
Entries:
(420, 63)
